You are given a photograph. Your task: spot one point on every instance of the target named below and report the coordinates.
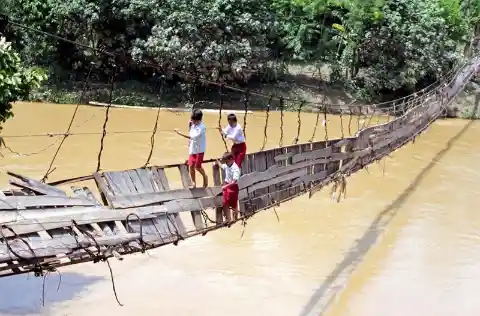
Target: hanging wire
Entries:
(85, 85)
(341, 124)
(246, 103)
(267, 115)
(316, 126)
(220, 117)
(155, 127)
(281, 105)
(325, 121)
(299, 122)
(350, 118)
(107, 113)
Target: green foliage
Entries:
(217, 39)
(16, 81)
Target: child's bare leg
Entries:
(226, 213)
(235, 213)
(204, 176)
(192, 175)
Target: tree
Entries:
(216, 39)
(16, 81)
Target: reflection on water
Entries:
(404, 242)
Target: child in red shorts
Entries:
(197, 145)
(234, 132)
(230, 188)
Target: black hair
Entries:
(197, 115)
(232, 117)
(227, 156)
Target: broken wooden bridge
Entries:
(130, 211)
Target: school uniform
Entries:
(197, 145)
(239, 147)
(230, 192)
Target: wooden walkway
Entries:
(42, 228)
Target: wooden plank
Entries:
(320, 153)
(136, 181)
(160, 179)
(185, 175)
(115, 186)
(90, 215)
(37, 201)
(146, 178)
(143, 199)
(102, 187)
(190, 205)
(284, 156)
(64, 245)
(310, 178)
(37, 186)
(286, 177)
(218, 182)
(85, 192)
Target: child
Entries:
(197, 145)
(230, 188)
(234, 132)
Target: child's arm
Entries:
(236, 135)
(181, 134)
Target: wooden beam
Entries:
(40, 201)
(35, 185)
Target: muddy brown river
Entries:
(405, 241)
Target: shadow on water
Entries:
(324, 295)
(22, 294)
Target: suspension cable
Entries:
(299, 122)
(281, 105)
(72, 119)
(107, 113)
(155, 127)
(246, 103)
(267, 114)
(220, 117)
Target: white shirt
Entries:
(198, 139)
(232, 173)
(235, 133)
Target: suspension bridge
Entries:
(44, 228)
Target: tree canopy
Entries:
(16, 81)
(371, 46)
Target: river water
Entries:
(405, 241)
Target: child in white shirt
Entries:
(234, 132)
(197, 146)
(230, 188)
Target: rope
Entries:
(325, 121)
(281, 105)
(315, 128)
(341, 124)
(154, 131)
(107, 113)
(220, 118)
(246, 102)
(85, 82)
(350, 118)
(267, 115)
(299, 122)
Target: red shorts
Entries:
(230, 196)
(239, 151)
(195, 160)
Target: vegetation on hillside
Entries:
(16, 81)
(377, 49)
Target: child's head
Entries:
(197, 116)
(227, 158)
(232, 119)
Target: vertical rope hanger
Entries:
(220, 116)
(267, 115)
(350, 118)
(154, 131)
(281, 105)
(107, 113)
(315, 128)
(341, 124)
(299, 122)
(325, 121)
(246, 102)
(84, 88)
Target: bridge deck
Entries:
(42, 227)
